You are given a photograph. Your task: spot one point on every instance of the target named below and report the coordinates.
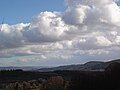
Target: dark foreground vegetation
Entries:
(62, 80)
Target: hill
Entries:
(89, 66)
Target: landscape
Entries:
(59, 44)
(67, 78)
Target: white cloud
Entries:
(23, 60)
(89, 26)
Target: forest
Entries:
(61, 80)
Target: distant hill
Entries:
(89, 66)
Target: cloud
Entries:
(92, 12)
(46, 27)
(88, 27)
(11, 36)
(23, 60)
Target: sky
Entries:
(23, 10)
(58, 32)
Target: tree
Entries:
(54, 83)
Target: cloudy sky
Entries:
(58, 32)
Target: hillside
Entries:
(89, 66)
